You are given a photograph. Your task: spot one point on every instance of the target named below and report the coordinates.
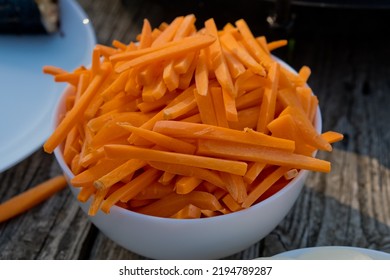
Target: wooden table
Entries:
(351, 77)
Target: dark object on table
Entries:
(29, 16)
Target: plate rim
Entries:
(8, 161)
(296, 253)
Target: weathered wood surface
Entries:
(350, 206)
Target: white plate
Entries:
(332, 253)
(27, 96)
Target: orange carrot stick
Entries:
(276, 44)
(30, 198)
(220, 66)
(202, 75)
(229, 42)
(238, 151)
(118, 174)
(267, 109)
(252, 44)
(332, 136)
(167, 206)
(201, 173)
(155, 191)
(130, 189)
(187, 184)
(181, 47)
(73, 115)
(307, 129)
(162, 140)
(127, 152)
(263, 186)
(204, 131)
(206, 108)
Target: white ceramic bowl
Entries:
(206, 238)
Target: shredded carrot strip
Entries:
(202, 75)
(73, 115)
(30, 198)
(276, 44)
(183, 46)
(332, 136)
(229, 42)
(154, 191)
(162, 140)
(253, 46)
(130, 189)
(263, 186)
(187, 184)
(267, 109)
(249, 152)
(125, 152)
(118, 174)
(201, 173)
(182, 129)
(254, 171)
(219, 65)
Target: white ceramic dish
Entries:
(207, 238)
(333, 253)
(29, 97)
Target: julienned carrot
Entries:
(118, 174)
(276, 44)
(230, 43)
(206, 108)
(166, 178)
(73, 115)
(254, 171)
(166, 206)
(188, 44)
(162, 140)
(30, 198)
(231, 203)
(187, 184)
(219, 108)
(263, 186)
(235, 185)
(182, 129)
(129, 152)
(308, 131)
(188, 212)
(173, 203)
(130, 189)
(236, 68)
(249, 152)
(154, 191)
(202, 74)
(267, 109)
(160, 115)
(219, 64)
(332, 136)
(187, 123)
(180, 108)
(286, 128)
(168, 34)
(304, 73)
(201, 173)
(133, 118)
(252, 44)
(52, 70)
(93, 173)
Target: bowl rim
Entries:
(116, 209)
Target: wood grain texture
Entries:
(350, 206)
